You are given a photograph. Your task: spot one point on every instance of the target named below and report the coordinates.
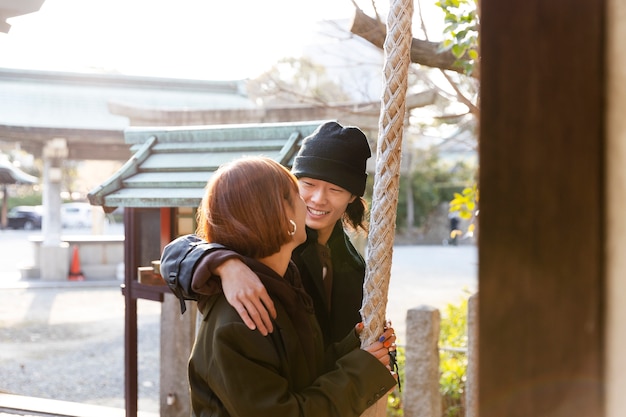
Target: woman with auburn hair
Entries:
(253, 206)
(244, 207)
(331, 167)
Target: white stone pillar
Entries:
(54, 254)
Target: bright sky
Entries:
(202, 39)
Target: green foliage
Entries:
(461, 31)
(465, 204)
(432, 183)
(453, 358)
(25, 199)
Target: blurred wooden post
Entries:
(543, 211)
(178, 332)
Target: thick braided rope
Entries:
(387, 178)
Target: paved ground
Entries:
(65, 341)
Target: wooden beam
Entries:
(96, 144)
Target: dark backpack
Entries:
(178, 262)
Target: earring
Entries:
(294, 228)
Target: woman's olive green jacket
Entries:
(237, 372)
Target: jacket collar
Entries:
(339, 243)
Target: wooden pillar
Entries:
(141, 247)
(615, 362)
(542, 211)
(130, 316)
(178, 332)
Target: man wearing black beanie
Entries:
(331, 169)
(335, 154)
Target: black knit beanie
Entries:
(335, 154)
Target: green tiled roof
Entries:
(171, 165)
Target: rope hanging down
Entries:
(387, 177)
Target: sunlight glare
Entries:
(203, 39)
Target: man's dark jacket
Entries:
(348, 276)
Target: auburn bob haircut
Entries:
(244, 206)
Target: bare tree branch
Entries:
(461, 97)
(422, 52)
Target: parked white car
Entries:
(76, 215)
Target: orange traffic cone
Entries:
(75, 273)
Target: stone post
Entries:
(54, 257)
(421, 385)
(471, 382)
